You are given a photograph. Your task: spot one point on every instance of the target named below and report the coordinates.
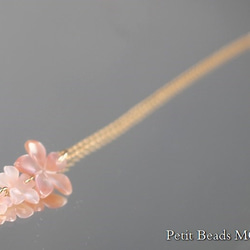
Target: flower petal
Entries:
(16, 196)
(37, 207)
(2, 219)
(43, 185)
(11, 172)
(3, 209)
(32, 196)
(36, 151)
(25, 182)
(3, 180)
(54, 162)
(62, 183)
(24, 210)
(54, 201)
(6, 200)
(11, 214)
(25, 164)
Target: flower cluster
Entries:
(28, 186)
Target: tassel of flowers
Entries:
(29, 185)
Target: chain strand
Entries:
(154, 101)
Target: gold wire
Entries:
(5, 190)
(144, 108)
(29, 180)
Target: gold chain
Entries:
(154, 101)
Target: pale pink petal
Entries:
(16, 196)
(4, 180)
(55, 163)
(24, 210)
(43, 185)
(36, 151)
(11, 172)
(24, 184)
(3, 208)
(62, 183)
(37, 207)
(6, 200)
(2, 219)
(54, 201)
(11, 214)
(32, 196)
(25, 164)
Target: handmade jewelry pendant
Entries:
(36, 178)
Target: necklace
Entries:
(30, 184)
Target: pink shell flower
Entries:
(5, 202)
(45, 169)
(52, 201)
(25, 209)
(18, 189)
